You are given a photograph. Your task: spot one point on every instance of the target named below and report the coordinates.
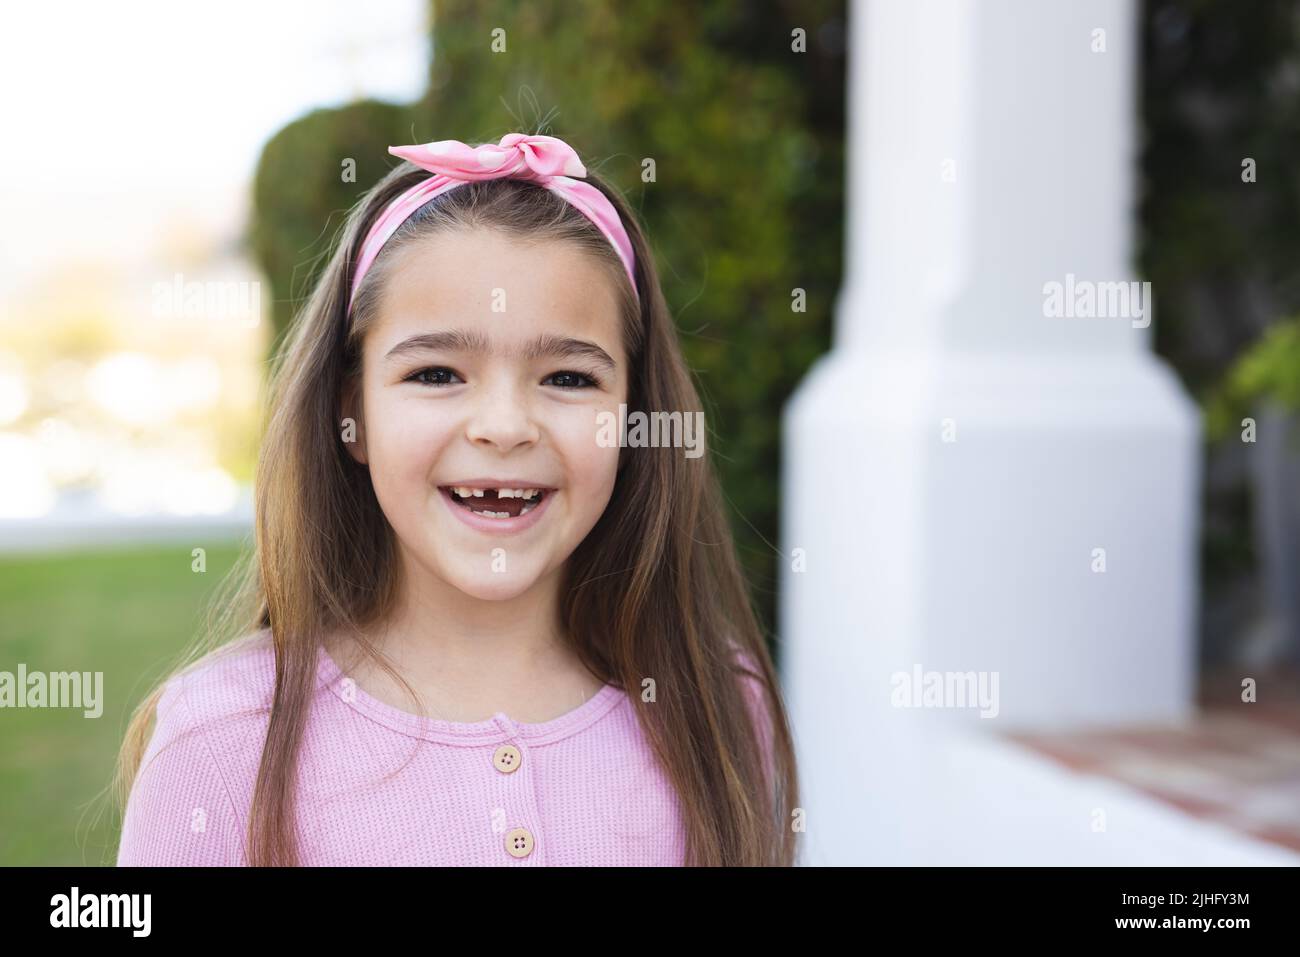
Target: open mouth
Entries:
(496, 502)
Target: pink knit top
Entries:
(377, 785)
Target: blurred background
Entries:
(175, 176)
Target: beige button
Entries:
(507, 758)
(519, 843)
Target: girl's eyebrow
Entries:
(474, 341)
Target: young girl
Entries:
(481, 634)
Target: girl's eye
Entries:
(570, 380)
(422, 376)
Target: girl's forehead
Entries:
(504, 287)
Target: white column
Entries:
(954, 464)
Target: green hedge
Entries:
(747, 138)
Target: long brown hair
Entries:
(655, 589)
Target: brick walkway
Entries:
(1236, 764)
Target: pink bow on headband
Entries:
(545, 160)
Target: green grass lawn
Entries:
(125, 612)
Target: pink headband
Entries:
(544, 160)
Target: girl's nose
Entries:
(502, 418)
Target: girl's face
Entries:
(486, 368)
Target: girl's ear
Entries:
(351, 422)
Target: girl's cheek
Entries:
(587, 461)
(408, 433)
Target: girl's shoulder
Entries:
(749, 668)
(217, 708)
(755, 688)
(234, 683)
(190, 796)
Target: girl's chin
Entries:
(492, 571)
(501, 587)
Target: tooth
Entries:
(505, 493)
(461, 491)
(530, 493)
(478, 492)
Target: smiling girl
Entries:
(478, 635)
